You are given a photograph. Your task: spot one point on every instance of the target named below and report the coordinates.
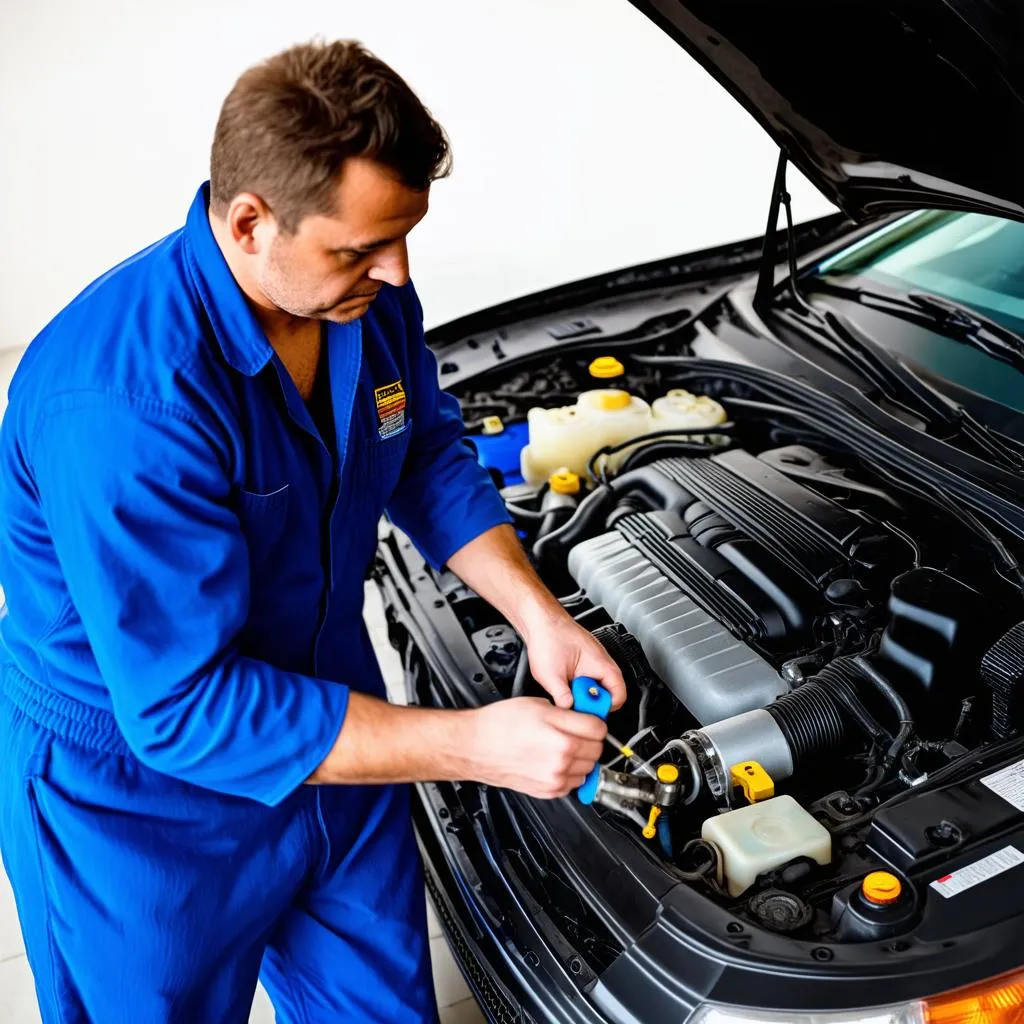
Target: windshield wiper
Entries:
(876, 364)
(951, 319)
(901, 385)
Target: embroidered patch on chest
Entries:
(390, 401)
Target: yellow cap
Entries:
(650, 829)
(606, 367)
(564, 482)
(492, 425)
(755, 781)
(612, 398)
(668, 773)
(881, 888)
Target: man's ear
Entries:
(249, 219)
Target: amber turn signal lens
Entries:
(998, 1001)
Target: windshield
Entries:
(968, 257)
(971, 258)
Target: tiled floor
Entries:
(17, 996)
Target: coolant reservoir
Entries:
(680, 410)
(569, 435)
(763, 837)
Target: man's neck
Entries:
(296, 340)
(283, 330)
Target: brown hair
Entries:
(289, 124)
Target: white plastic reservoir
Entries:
(764, 836)
(569, 435)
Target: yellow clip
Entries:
(755, 781)
(605, 367)
(650, 829)
(491, 425)
(564, 481)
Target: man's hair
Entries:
(290, 123)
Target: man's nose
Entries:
(392, 265)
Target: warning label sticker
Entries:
(980, 871)
(391, 404)
(1008, 783)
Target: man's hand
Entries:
(496, 567)
(527, 745)
(524, 744)
(560, 649)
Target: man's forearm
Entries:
(496, 567)
(382, 743)
(525, 744)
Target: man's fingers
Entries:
(616, 686)
(577, 723)
(560, 694)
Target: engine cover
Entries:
(735, 566)
(712, 673)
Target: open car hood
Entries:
(883, 105)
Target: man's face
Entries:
(334, 265)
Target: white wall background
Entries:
(584, 138)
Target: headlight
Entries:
(910, 1013)
(996, 1001)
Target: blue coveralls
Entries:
(183, 563)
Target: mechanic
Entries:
(195, 457)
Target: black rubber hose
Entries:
(899, 705)
(813, 717)
(518, 512)
(840, 677)
(553, 548)
(522, 671)
(555, 517)
(809, 719)
(654, 450)
(697, 447)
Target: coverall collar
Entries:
(238, 332)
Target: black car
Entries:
(817, 597)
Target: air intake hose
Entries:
(791, 732)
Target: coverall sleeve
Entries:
(135, 494)
(444, 498)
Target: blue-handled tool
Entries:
(591, 698)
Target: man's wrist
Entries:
(536, 613)
(459, 758)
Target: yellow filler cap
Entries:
(612, 399)
(881, 888)
(491, 425)
(756, 783)
(564, 482)
(650, 829)
(606, 367)
(667, 774)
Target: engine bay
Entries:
(819, 659)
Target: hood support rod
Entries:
(766, 274)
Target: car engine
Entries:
(805, 642)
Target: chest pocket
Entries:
(263, 518)
(382, 464)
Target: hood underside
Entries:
(883, 105)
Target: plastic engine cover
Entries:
(712, 673)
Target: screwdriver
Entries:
(592, 698)
(619, 746)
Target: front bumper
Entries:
(501, 952)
